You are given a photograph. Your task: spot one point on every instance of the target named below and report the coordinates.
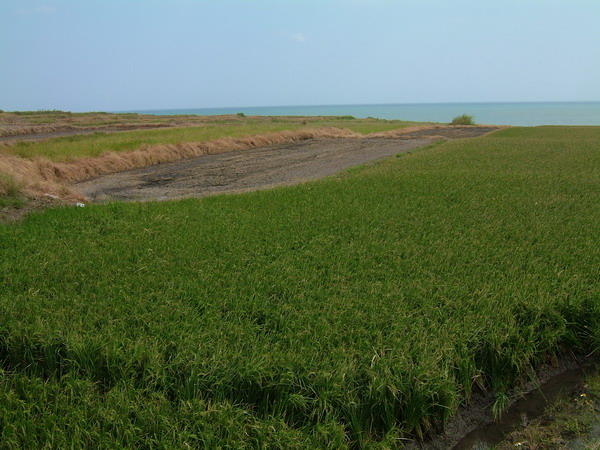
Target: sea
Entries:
(518, 114)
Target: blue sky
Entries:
(83, 55)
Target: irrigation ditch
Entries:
(475, 427)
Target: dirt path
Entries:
(261, 168)
(243, 170)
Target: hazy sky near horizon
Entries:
(114, 55)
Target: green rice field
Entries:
(356, 311)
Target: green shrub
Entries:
(465, 119)
(241, 114)
(40, 111)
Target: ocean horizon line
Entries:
(308, 105)
(490, 113)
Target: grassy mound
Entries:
(353, 310)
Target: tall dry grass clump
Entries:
(40, 175)
(19, 130)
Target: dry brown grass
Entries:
(8, 131)
(40, 176)
(20, 130)
(21, 125)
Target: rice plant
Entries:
(352, 311)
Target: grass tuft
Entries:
(10, 192)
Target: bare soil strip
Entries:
(40, 176)
(259, 168)
(242, 170)
(451, 132)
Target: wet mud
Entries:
(527, 408)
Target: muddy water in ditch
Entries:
(529, 407)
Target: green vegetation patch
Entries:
(464, 119)
(51, 112)
(350, 311)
